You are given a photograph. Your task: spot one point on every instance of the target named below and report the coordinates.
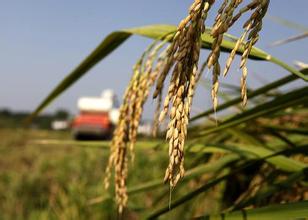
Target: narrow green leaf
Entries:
(288, 23)
(291, 69)
(296, 97)
(110, 43)
(289, 39)
(187, 197)
(281, 162)
(296, 210)
(257, 92)
(254, 151)
(115, 39)
(272, 189)
(190, 174)
(303, 131)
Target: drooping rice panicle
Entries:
(125, 134)
(180, 59)
(183, 55)
(255, 25)
(220, 27)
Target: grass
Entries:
(46, 175)
(51, 182)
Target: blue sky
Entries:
(42, 41)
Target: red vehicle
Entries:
(89, 125)
(97, 117)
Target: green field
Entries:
(46, 175)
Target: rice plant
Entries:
(260, 165)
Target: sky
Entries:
(42, 41)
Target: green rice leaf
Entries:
(296, 210)
(299, 96)
(115, 39)
(260, 91)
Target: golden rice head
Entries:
(183, 54)
(254, 24)
(180, 47)
(250, 6)
(118, 160)
(220, 27)
(118, 155)
(198, 6)
(133, 108)
(182, 57)
(224, 20)
(125, 134)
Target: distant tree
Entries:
(61, 114)
(5, 112)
